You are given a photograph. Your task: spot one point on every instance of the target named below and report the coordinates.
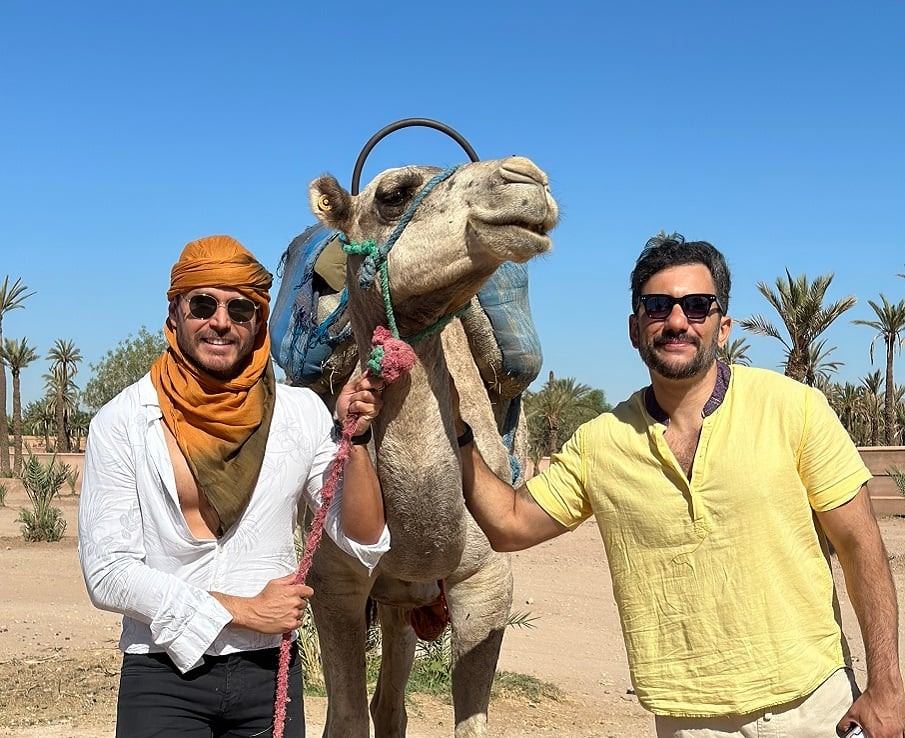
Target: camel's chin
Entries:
(509, 242)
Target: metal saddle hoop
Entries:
(406, 123)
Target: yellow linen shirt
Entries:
(724, 592)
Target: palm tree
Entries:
(870, 397)
(11, 297)
(38, 419)
(819, 367)
(78, 424)
(17, 355)
(890, 326)
(900, 411)
(845, 399)
(557, 410)
(736, 352)
(65, 357)
(799, 303)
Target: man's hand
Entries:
(881, 715)
(363, 397)
(278, 608)
(852, 529)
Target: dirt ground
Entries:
(59, 662)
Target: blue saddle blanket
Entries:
(301, 343)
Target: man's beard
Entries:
(701, 361)
(225, 375)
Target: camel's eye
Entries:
(395, 197)
(395, 192)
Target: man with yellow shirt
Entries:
(716, 490)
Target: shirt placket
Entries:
(690, 488)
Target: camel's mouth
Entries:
(534, 234)
(518, 241)
(537, 228)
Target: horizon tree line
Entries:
(872, 411)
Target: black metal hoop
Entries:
(406, 123)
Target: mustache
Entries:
(683, 336)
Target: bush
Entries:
(3, 492)
(898, 477)
(310, 654)
(72, 477)
(430, 672)
(42, 482)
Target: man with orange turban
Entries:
(195, 478)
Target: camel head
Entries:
(471, 220)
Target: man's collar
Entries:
(723, 375)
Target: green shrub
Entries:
(42, 482)
(430, 672)
(72, 477)
(898, 477)
(310, 654)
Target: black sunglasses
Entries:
(695, 307)
(239, 309)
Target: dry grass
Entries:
(73, 687)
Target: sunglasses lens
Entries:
(658, 306)
(241, 310)
(202, 306)
(696, 306)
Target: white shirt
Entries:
(139, 557)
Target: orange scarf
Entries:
(221, 426)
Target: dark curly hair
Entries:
(664, 251)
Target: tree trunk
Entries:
(4, 425)
(62, 444)
(17, 425)
(796, 366)
(552, 436)
(890, 402)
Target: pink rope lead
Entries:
(391, 358)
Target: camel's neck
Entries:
(418, 465)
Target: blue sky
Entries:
(775, 130)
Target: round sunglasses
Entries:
(203, 307)
(695, 306)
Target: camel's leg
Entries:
(341, 588)
(397, 653)
(479, 608)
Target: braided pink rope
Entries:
(398, 359)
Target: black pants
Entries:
(226, 696)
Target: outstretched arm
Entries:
(510, 518)
(853, 531)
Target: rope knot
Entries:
(390, 357)
(375, 257)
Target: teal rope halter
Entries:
(375, 262)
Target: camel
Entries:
(475, 218)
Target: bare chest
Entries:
(200, 516)
(684, 444)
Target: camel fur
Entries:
(485, 213)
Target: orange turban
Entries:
(221, 261)
(220, 425)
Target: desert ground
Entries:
(59, 662)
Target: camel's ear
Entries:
(330, 202)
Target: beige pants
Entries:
(814, 716)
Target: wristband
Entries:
(360, 440)
(467, 437)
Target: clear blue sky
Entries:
(775, 130)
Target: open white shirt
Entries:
(139, 557)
